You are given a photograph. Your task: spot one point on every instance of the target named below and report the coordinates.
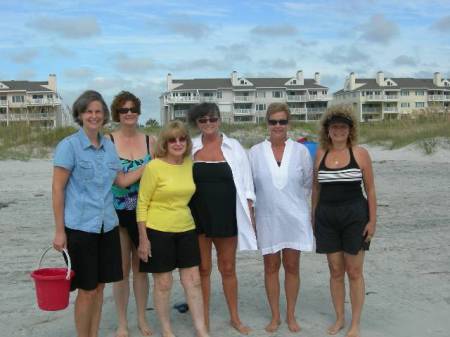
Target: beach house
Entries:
(245, 99)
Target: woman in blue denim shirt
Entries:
(85, 167)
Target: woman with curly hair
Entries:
(344, 220)
(135, 150)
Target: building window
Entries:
(277, 94)
(260, 94)
(404, 93)
(420, 104)
(420, 93)
(404, 105)
(294, 81)
(260, 107)
(18, 99)
(219, 94)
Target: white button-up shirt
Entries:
(236, 157)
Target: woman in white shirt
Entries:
(221, 205)
(282, 175)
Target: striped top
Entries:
(341, 184)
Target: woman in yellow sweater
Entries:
(167, 239)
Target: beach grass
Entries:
(22, 142)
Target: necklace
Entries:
(335, 158)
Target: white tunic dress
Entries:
(283, 217)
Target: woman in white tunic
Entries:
(282, 175)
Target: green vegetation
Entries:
(428, 131)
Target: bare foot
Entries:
(293, 325)
(273, 325)
(336, 327)
(353, 332)
(122, 332)
(144, 328)
(245, 330)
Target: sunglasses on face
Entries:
(174, 140)
(124, 111)
(206, 120)
(277, 121)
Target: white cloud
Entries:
(443, 24)
(79, 73)
(404, 60)
(278, 63)
(344, 55)
(187, 28)
(135, 65)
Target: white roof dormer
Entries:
(241, 81)
(3, 86)
(390, 83)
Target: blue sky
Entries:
(131, 45)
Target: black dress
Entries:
(213, 205)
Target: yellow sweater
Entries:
(164, 193)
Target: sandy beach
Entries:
(407, 269)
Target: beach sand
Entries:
(407, 269)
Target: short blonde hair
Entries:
(277, 107)
(344, 111)
(173, 129)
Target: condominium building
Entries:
(391, 97)
(36, 103)
(244, 99)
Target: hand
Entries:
(144, 250)
(369, 231)
(60, 241)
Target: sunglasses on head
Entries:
(173, 140)
(278, 121)
(204, 120)
(124, 111)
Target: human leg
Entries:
(161, 295)
(205, 245)
(354, 269)
(97, 310)
(190, 280)
(141, 290)
(121, 289)
(336, 266)
(272, 263)
(291, 264)
(226, 260)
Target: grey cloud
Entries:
(423, 74)
(342, 55)
(24, 56)
(304, 43)
(190, 29)
(137, 65)
(62, 51)
(67, 27)
(235, 52)
(404, 60)
(78, 73)
(203, 64)
(443, 24)
(278, 63)
(379, 30)
(275, 30)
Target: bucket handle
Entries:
(69, 266)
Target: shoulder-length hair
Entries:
(82, 102)
(173, 129)
(339, 111)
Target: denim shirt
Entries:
(88, 197)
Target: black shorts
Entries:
(96, 258)
(127, 219)
(340, 227)
(170, 251)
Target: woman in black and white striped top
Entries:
(344, 220)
